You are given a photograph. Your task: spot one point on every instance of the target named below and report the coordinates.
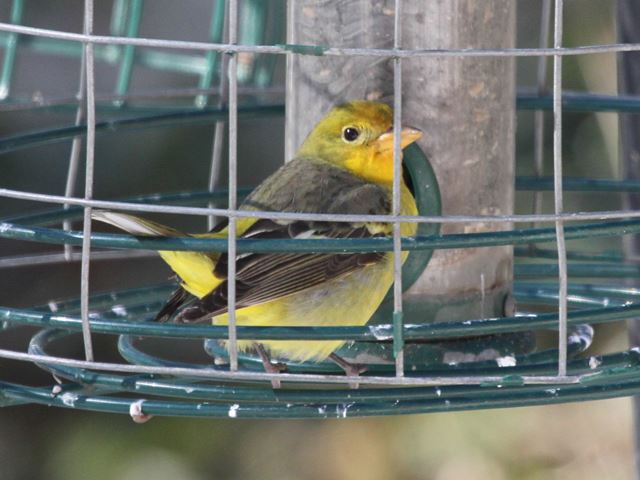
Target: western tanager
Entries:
(345, 166)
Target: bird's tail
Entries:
(195, 269)
(134, 225)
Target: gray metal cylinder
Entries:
(464, 105)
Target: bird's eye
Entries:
(350, 134)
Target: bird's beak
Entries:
(408, 135)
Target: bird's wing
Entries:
(306, 186)
(134, 225)
(261, 278)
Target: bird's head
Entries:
(358, 136)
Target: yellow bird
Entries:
(345, 166)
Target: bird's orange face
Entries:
(358, 136)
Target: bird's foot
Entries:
(350, 369)
(269, 366)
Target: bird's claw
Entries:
(350, 369)
(271, 367)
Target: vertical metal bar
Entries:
(538, 119)
(128, 51)
(290, 130)
(398, 340)
(10, 50)
(76, 147)
(214, 170)
(219, 130)
(88, 189)
(557, 190)
(233, 185)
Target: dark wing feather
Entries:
(175, 301)
(264, 277)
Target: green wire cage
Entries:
(500, 359)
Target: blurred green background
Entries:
(587, 441)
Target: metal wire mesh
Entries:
(239, 388)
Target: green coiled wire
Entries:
(599, 377)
